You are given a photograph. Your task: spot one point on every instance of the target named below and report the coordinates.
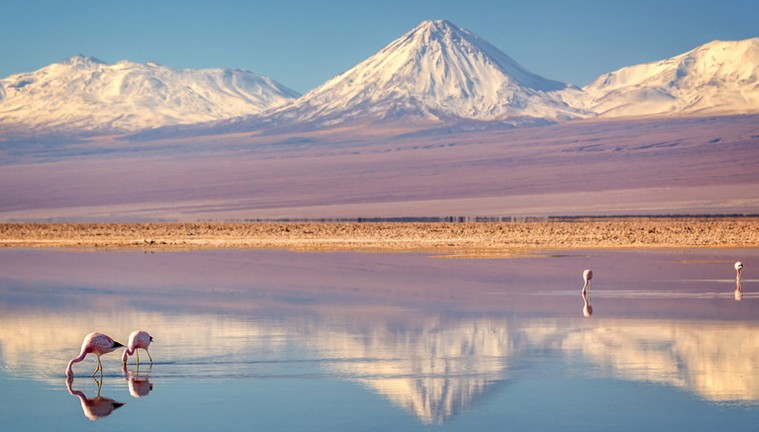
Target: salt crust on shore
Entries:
(475, 239)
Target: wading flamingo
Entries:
(138, 339)
(587, 275)
(738, 269)
(95, 343)
(587, 309)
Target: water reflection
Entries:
(97, 407)
(738, 290)
(433, 366)
(587, 308)
(37, 344)
(435, 352)
(434, 369)
(139, 384)
(717, 362)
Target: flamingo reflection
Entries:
(587, 309)
(97, 407)
(139, 385)
(95, 343)
(738, 290)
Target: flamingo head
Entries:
(587, 275)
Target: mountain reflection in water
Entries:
(439, 339)
(434, 367)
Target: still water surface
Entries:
(272, 340)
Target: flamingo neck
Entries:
(70, 367)
(127, 352)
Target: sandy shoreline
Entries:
(464, 239)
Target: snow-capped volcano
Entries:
(85, 94)
(715, 78)
(435, 71)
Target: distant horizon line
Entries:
(394, 219)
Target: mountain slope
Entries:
(716, 78)
(85, 94)
(436, 71)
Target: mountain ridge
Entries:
(87, 94)
(713, 78)
(434, 76)
(436, 71)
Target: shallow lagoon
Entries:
(278, 340)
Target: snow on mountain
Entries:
(716, 78)
(85, 94)
(436, 71)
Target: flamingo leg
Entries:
(98, 368)
(137, 354)
(149, 356)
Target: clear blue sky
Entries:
(302, 43)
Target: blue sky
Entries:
(303, 43)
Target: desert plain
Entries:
(680, 166)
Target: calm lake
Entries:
(287, 341)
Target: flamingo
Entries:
(738, 269)
(587, 309)
(138, 339)
(96, 343)
(587, 275)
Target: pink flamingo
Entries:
(138, 339)
(587, 275)
(738, 270)
(96, 343)
(738, 288)
(587, 309)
